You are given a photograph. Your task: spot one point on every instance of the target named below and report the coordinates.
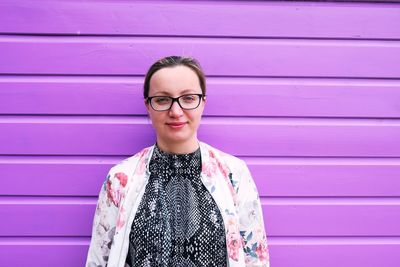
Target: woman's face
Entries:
(175, 127)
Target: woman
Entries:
(179, 202)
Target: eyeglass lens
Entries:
(165, 102)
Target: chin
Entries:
(179, 137)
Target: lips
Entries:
(176, 125)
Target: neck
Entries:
(184, 147)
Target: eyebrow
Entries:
(182, 92)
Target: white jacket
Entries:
(226, 177)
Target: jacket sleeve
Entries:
(251, 223)
(104, 223)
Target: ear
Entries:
(146, 104)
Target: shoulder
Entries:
(120, 176)
(128, 165)
(233, 163)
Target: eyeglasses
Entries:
(162, 103)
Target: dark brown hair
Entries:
(172, 61)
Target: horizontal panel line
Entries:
(300, 201)
(208, 76)
(235, 80)
(65, 159)
(261, 160)
(185, 38)
(39, 240)
(48, 200)
(257, 160)
(76, 119)
(272, 240)
(210, 120)
(333, 240)
(268, 201)
(321, 161)
(309, 77)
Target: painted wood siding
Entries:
(307, 93)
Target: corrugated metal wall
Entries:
(307, 93)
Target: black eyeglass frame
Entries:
(175, 99)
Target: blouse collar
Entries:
(204, 152)
(173, 160)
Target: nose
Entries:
(175, 110)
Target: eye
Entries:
(189, 98)
(162, 100)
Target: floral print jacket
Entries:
(226, 177)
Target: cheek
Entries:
(155, 118)
(196, 116)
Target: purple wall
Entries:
(307, 93)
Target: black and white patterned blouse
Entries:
(177, 222)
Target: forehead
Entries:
(174, 80)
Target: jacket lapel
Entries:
(215, 176)
(137, 169)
